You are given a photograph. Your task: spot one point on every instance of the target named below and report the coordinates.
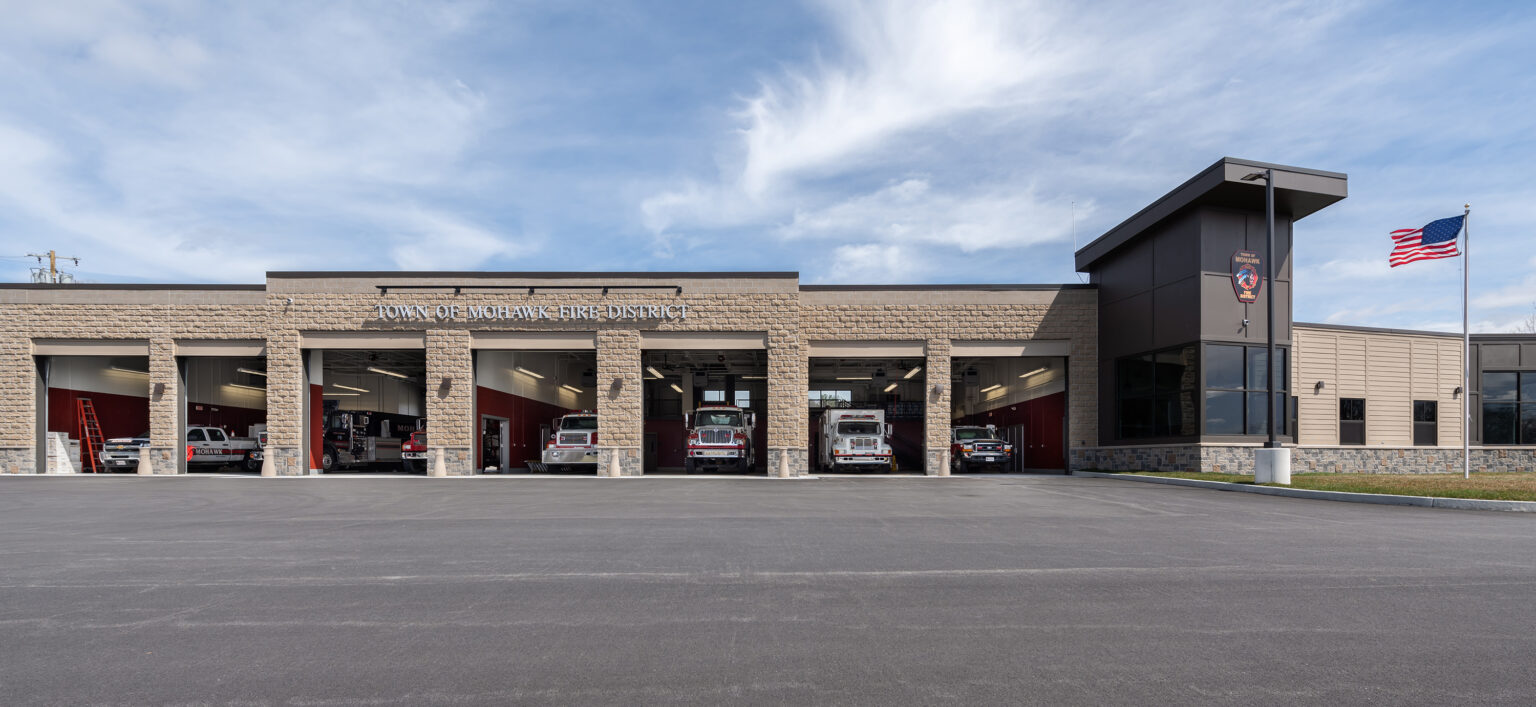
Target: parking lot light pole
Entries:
(1272, 463)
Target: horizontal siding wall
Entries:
(1389, 370)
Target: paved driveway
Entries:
(1044, 590)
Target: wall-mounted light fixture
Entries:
(1316, 388)
(159, 389)
(1457, 392)
(938, 388)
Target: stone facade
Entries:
(293, 308)
(1238, 459)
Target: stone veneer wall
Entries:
(1238, 459)
(289, 307)
(95, 313)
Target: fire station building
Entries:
(1157, 363)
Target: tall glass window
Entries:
(1509, 407)
(1235, 390)
(1155, 394)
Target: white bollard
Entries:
(439, 464)
(1272, 465)
(613, 465)
(146, 467)
(784, 464)
(268, 468)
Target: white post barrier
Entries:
(784, 464)
(1272, 465)
(439, 464)
(146, 466)
(267, 467)
(613, 465)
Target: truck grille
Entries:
(864, 443)
(573, 438)
(989, 447)
(715, 436)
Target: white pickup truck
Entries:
(572, 443)
(207, 448)
(856, 440)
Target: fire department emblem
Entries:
(1245, 275)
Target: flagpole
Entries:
(1466, 347)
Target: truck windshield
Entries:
(965, 433)
(858, 428)
(722, 419)
(579, 423)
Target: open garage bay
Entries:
(980, 590)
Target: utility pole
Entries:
(53, 263)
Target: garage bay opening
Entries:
(367, 410)
(866, 415)
(97, 412)
(224, 417)
(535, 411)
(705, 411)
(1009, 414)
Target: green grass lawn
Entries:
(1499, 487)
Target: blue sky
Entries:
(853, 142)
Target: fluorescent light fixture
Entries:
(853, 378)
(246, 387)
(348, 387)
(527, 372)
(754, 378)
(387, 373)
(913, 372)
(674, 387)
(252, 371)
(128, 370)
(992, 387)
(890, 387)
(571, 388)
(1041, 369)
(652, 370)
(340, 395)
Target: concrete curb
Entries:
(1385, 499)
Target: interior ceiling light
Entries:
(348, 387)
(1041, 369)
(246, 387)
(674, 387)
(853, 378)
(993, 387)
(341, 395)
(652, 370)
(571, 388)
(754, 378)
(387, 373)
(527, 372)
(128, 370)
(890, 387)
(912, 372)
(252, 371)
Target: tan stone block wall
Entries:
(450, 389)
(620, 400)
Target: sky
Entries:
(969, 141)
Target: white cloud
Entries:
(870, 263)
(173, 61)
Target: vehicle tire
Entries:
(895, 467)
(250, 464)
(414, 467)
(327, 461)
(965, 467)
(688, 466)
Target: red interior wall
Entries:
(669, 441)
(316, 425)
(235, 421)
(525, 416)
(118, 415)
(1042, 419)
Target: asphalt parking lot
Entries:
(1039, 590)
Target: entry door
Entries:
(506, 449)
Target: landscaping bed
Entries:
(1498, 487)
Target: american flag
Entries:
(1437, 239)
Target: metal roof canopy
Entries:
(1299, 192)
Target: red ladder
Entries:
(90, 434)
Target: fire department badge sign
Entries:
(1245, 275)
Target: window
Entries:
(830, 398)
(1235, 390)
(1155, 394)
(216, 435)
(714, 396)
(743, 398)
(1509, 407)
(1351, 420)
(195, 435)
(1426, 431)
